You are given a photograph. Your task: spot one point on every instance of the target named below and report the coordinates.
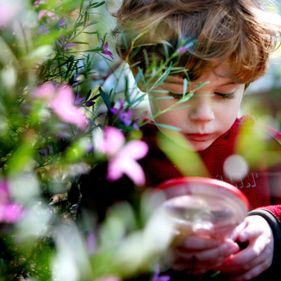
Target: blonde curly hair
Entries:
(240, 32)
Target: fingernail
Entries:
(243, 237)
(235, 248)
(230, 248)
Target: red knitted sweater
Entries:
(261, 185)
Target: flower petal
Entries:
(113, 141)
(63, 106)
(135, 149)
(134, 171)
(12, 213)
(46, 91)
(106, 51)
(125, 165)
(115, 171)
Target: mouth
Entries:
(199, 137)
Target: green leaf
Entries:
(179, 151)
(105, 98)
(22, 157)
(170, 127)
(253, 144)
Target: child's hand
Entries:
(257, 256)
(197, 255)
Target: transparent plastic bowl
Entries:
(203, 206)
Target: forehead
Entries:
(215, 73)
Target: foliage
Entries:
(57, 122)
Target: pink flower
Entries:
(45, 91)
(62, 101)
(9, 212)
(8, 11)
(37, 3)
(123, 155)
(63, 106)
(47, 14)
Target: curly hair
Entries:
(240, 32)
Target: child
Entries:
(221, 46)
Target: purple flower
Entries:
(43, 29)
(62, 101)
(106, 51)
(157, 277)
(90, 102)
(182, 50)
(125, 116)
(64, 44)
(61, 23)
(185, 48)
(9, 212)
(78, 100)
(122, 156)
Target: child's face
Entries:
(208, 114)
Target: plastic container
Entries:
(203, 206)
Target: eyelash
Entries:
(175, 96)
(221, 95)
(225, 95)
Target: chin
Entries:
(200, 146)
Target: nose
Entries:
(201, 110)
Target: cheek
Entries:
(157, 105)
(172, 117)
(228, 112)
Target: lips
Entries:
(199, 137)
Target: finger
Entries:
(242, 267)
(263, 242)
(238, 229)
(262, 245)
(251, 231)
(197, 243)
(252, 273)
(222, 251)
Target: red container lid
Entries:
(204, 206)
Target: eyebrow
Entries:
(174, 80)
(177, 82)
(229, 83)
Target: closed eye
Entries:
(225, 95)
(177, 96)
